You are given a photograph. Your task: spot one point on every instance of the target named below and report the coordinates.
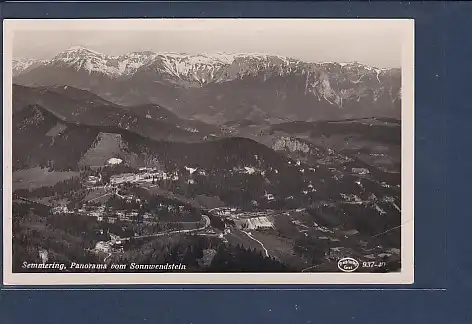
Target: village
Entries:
(122, 213)
(125, 213)
(100, 191)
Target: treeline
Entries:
(311, 248)
(118, 203)
(219, 222)
(220, 159)
(67, 239)
(167, 208)
(170, 249)
(33, 147)
(390, 134)
(247, 191)
(189, 250)
(70, 239)
(231, 258)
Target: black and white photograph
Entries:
(258, 151)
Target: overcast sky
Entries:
(373, 43)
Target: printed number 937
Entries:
(373, 264)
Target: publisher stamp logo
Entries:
(348, 264)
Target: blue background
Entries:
(443, 220)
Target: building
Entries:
(122, 178)
(337, 253)
(351, 232)
(255, 223)
(114, 161)
(223, 211)
(61, 210)
(147, 169)
(96, 214)
(103, 246)
(114, 237)
(144, 177)
(117, 245)
(92, 180)
(360, 171)
(148, 216)
(44, 255)
(269, 196)
(132, 214)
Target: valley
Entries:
(223, 87)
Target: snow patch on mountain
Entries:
(22, 65)
(204, 68)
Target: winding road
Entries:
(205, 217)
(108, 255)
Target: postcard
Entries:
(208, 151)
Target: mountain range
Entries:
(252, 131)
(77, 106)
(220, 87)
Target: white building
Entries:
(95, 214)
(115, 161)
(224, 211)
(92, 180)
(147, 169)
(360, 171)
(256, 222)
(145, 177)
(269, 196)
(114, 237)
(61, 209)
(122, 178)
